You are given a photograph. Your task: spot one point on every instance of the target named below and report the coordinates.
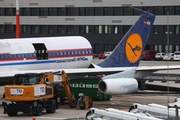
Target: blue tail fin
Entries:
(129, 50)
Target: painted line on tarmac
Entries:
(4, 119)
(50, 118)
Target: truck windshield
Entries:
(32, 80)
(29, 80)
(26, 79)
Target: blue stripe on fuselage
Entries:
(40, 62)
(51, 54)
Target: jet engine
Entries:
(118, 86)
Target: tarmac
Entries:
(121, 102)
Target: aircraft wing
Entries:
(83, 71)
(6, 77)
(92, 71)
(157, 68)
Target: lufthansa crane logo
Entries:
(133, 48)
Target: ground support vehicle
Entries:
(85, 102)
(177, 55)
(101, 56)
(89, 86)
(159, 56)
(33, 92)
(149, 54)
(168, 56)
(104, 55)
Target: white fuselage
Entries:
(45, 53)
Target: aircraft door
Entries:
(41, 51)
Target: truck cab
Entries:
(149, 54)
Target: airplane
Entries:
(74, 56)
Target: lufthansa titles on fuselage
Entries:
(72, 60)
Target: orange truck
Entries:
(35, 92)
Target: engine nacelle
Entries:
(118, 86)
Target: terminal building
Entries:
(102, 22)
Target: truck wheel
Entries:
(52, 108)
(82, 105)
(57, 105)
(39, 110)
(3, 95)
(74, 103)
(12, 113)
(90, 103)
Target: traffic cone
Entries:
(33, 118)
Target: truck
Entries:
(34, 92)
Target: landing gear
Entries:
(73, 103)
